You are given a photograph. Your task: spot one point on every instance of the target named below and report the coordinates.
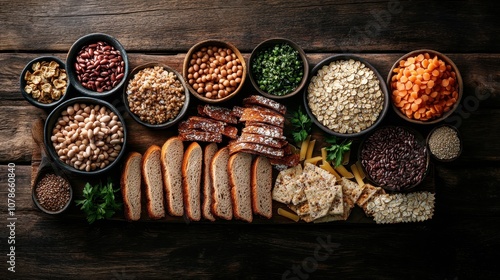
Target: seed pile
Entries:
(52, 192)
(87, 137)
(215, 72)
(155, 95)
(47, 83)
(345, 96)
(99, 67)
(394, 159)
(444, 143)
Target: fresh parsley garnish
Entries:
(99, 202)
(336, 149)
(301, 125)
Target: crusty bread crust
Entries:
(262, 183)
(208, 155)
(239, 167)
(172, 153)
(131, 203)
(191, 180)
(221, 205)
(153, 188)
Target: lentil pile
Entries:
(394, 159)
(444, 143)
(155, 95)
(87, 137)
(47, 83)
(52, 192)
(278, 69)
(99, 67)
(345, 96)
(215, 72)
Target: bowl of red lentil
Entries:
(156, 95)
(425, 87)
(51, 193)
(97, 65)
(444, 143)
(215, 71)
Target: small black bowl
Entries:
(382, 85)
(434, 157)
(22, 82)
(179, 116)
(71, 62)
(42, 172)
(52, 120)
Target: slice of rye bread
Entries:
(208, 155)
(222, 206)
(172, 154)
(153, 185)
(191, 180)
(262, 184)
(130, 184)
(239, 167)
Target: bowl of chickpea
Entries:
(214, 71)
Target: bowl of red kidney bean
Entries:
(97, 65)
(394, 158)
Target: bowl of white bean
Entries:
(85, 135)
(346, 96)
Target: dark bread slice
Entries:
(130, 184)
(153, 184)
(208, 154)
(239, 167)
(265, 102)
(191, 181)
(222, 206)
(262, 184)
(172, 154)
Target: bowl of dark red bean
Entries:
(394, 158)
(97, 65)
(51, 193)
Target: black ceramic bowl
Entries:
(52, 121)
(33, 101)
(380, 163)
(72, 63)
(440, 159)
(382, 85)
(45, 170)
(167, 124)
(269, 44)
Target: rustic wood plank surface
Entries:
(462, 241)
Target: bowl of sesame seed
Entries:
(51, 193)
(444, 143)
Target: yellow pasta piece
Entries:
(360, 170)
(345, 157)
(313, 160)
(323, 154)
(289, 215)
(310, 148)
(303, 147)
(344, 172)
(357, 176)
(326, 166)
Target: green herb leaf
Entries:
(99, 201)
(301, 125)
(336, 150)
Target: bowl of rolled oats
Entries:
(44, 83)
(346, 96)
(156, 95)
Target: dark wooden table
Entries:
(462, 241)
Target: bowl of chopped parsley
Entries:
(278, 68)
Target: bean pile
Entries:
(394, 159)
(444, 143)
(87, 137)
(215, 72)
(99, 67)
(52, 192)
(155, 95)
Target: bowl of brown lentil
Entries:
(215, 71)
(51, 193)
(444, 143)
(97, 65)
(346, 96)
(156, 95)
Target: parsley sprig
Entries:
(99, 202)
(301, 125)
(337, 149)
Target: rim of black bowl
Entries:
(48, 170)
(77, 46)
(420, 139)
(22, 83)
(382, 85)
(179, 116)
(51, 120)
(459, 81)
(434, 157)
(305, 66)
